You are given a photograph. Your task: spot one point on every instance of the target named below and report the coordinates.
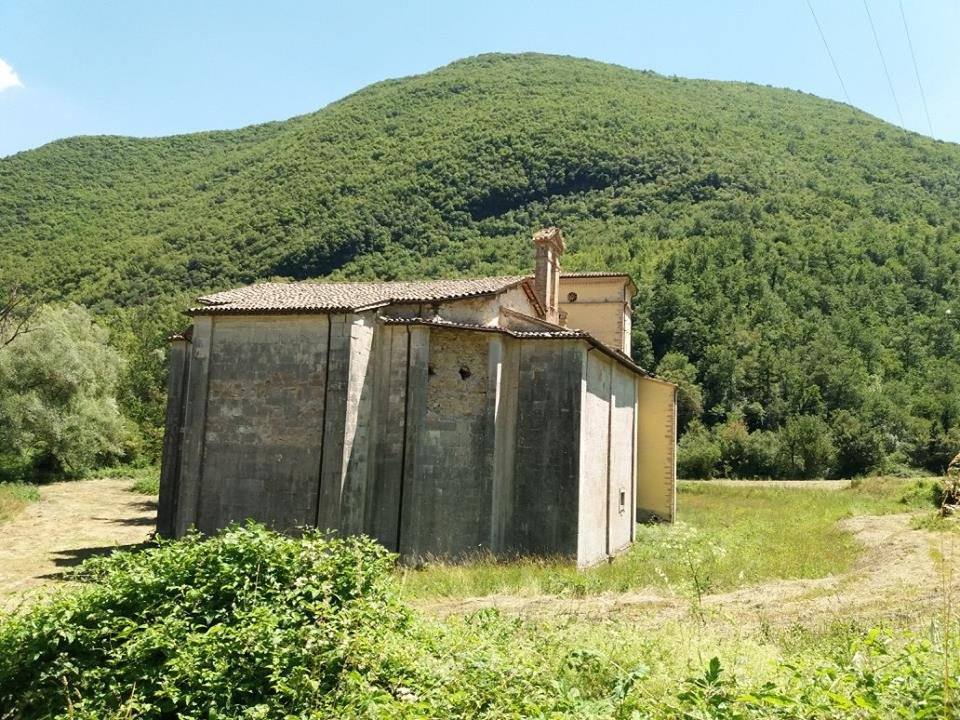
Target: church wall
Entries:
(447, 497)
(607, 476)
(343, 479)
(468, 311)
(594, 461)
(438, 441)
(387, 434)
(601, 308)
(542, 510)
(622, 458)
(173, 437)
(263, 425)
(656, 449)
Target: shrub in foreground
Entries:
(246, 620)
(250, 624)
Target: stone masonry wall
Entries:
(264, 417)
(448, 496)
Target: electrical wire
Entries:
(916, 69)
(883, 62)
(829, 54)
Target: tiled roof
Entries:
(345, 296)
(596, 274)
(440, 322)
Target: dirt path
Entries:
(901, 572)
(70, 522)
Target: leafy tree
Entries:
(860, 446)
(676, 368)
(58, 409)
(733, 439)
(760, 455)
(806, 448)
(698, 454)
(140, 335)
(15, 312)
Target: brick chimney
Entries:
(546, 281)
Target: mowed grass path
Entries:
(727, 536)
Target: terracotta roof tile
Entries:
(440, 322)
(593, 274)
(346, 296)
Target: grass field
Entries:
(761, 602)
(14, 497)
(726, 536)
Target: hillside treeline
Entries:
(797, 259)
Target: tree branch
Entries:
(15, 314)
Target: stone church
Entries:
(441, 417)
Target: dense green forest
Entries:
(797, 258)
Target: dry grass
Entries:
(14, 497)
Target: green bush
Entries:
(760, 455)
(698, 454)
(246, 620)
(733, 438)
(860, 446)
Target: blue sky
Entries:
(142, 68)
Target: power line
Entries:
(883, 62)
(829, 54)
(916, 70)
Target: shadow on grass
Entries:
(145, 521)
(142, 520)
(69, 559)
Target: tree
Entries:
(676, 368)
(698, 454)
(139, 334)
(806, 448)
(58, 409)
(860, 445)
(15, 313)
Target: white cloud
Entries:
(8, 78)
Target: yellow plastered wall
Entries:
(656, 449)
(601, 308)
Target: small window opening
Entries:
(623, 500)
(571, 297)
(464, 372)
(430, 371)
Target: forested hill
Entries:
(800, 253)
